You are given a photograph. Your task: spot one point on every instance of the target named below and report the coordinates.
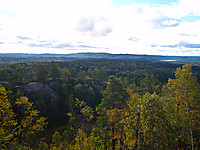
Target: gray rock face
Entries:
(33, 86)
(38, 88)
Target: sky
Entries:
(152, 27)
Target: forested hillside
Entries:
(10, 58)
(99, 104)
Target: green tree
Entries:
(98, 74)
(149, 84)
(41, 73)
(114, 96)
(65, 74)
(43, 146)
(54, 71)
(114, 99)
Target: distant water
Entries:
(168, 60)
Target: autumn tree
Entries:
(19, 121)
(147, 125)
(7, 120)
(183, 105)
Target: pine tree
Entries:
(114, 100)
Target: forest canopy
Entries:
(99, 104)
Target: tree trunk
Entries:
(191, 132)
(188, 111)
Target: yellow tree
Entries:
(147, 126)
(19, 121)
(183, 105)
(154, 126)
(115, 118)
(7, 121)
(29, 122)
(132, 119)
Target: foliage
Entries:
(18, 121)
(100, 104)
(43, 146)
(7, 120)
(183, 104)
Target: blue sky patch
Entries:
(190, 18)
(119, 3)
(10, 14)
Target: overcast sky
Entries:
(156, 27)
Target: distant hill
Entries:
(9, 58)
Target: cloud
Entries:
(184, 34)
(188, 35)
(133, 39)
(94, 26)
(40, 45)
(102, 32)
(163, 22)
(189, 7)
(139, 10)
(170, 22)
(171, 46)
(154, 45)
(57, 25)
(51, 45)
(192, 45)
(86, 24)
(23, 38)
(61, 46)
(182, 44)
(86, 46)
(64, 45)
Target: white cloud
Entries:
(86, 24)
(97, 23)
(170, 22)
(189, 6)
